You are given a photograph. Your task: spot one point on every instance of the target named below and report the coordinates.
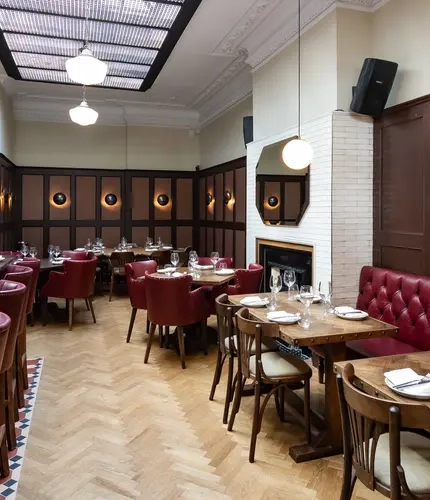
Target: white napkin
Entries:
(251, 300)
(203, 267)
(176, 274)
(280, 315)
(402, 376)
(346, 310)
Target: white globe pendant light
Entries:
(86, 69)
(297, 153)
(83, 114)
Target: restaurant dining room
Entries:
(214, 250)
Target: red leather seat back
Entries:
(80, 276)
(398, 298)
(12, 303)
(247, 280)
(24, 275)
(137, 287)
(206, 261)
(76, 254)
(34, 264)
(5, 324)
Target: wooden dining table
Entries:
(206, 278)
(370, 378)
(332, 334)
(107, 252)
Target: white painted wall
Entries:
(275, 84)
(222, 139)
(7, 125)
(69, 145)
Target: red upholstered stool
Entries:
(136, 284)
(24, 275)
(5, 323)
(13, 297)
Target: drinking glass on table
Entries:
(169, 269)
(50, 252)
(33, 252)
(289, 280)
(174, 258)
(306, 298)
(275, 285)
(159, 242)
(222, 265)
(214, 259)
(57, 251)
(24, 250)
(325, 292)
(192, 258)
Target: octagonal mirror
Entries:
(282, 195)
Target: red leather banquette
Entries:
(401, 299)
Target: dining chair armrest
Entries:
(55, 284)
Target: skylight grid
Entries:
(139, 12)
(70, 48)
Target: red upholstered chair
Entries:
(135, 274)
(76, 254)
(246, 280)
(34, 264)
(5, 323)
(24, 275)
(12, 302)
(76, 282)
(170, 302)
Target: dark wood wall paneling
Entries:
(86, 214)
(223, 227)
(402, 187)
(7, 201)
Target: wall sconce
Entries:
(273, 201)
(227, 197)
(59, 198)
(209, 198)
(111, 199)
(162, 200)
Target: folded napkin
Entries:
(402, 376)
(202, 267)
(251, 300)
(283, 316)
(176, 274)
(346, 310)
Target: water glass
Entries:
(57, 251)
(289, 277)
(159, 242)
(174, 258)
(275, 285)
(33, 252)
(293, 292)
(169, 269)
(193, 257)
(272, 304)
(214, 259)
(50, 252)
(327, 296)
(149, 242)
(306, 298)
(24, 250)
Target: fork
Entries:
(423, 380)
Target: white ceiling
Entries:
(215, 49)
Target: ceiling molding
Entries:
(230, 73)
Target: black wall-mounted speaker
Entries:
(248, 129)
(373, 87)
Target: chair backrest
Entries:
(76, 254)
(5, 323)
(80, 276)
(206, 261)
(225, 314)
(162, 257)
(24, 275)
(183, 256)
(137, 287)
(250, 331)
(249, 280)
(34, 264)
(120, 259)
(365, 418)
(12, 303)
(167, 300)
(401, 299)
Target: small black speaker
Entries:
(373, 87)
(248, 129)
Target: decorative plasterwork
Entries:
(232, 70)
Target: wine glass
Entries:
(57, 251)
(174, 258)
(326, 295)
(289, 277)
(275, 285)
(24, 250)
(88, 245)
(306, 298)
(192, 257)
(33, 252)
(50, 252)
(214, 259)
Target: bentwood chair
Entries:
(117, 263)
(170, 302)
(12, 302)
(246, 280)
(76, 282)
(395, 463)
(277, 369)
(24, 275)
(5, 323)
(136, 284)
(227, 348)
(215, 291)
(34, 264)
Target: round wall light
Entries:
(209, 198)
(111, 199)
(273, 201)
(227, 197)
(59, 198)
(162, 199)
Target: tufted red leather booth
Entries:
(136, 284)
(246, 280)
(76, 282)
(170, 302)
(76, 254)
(401, 299)
(12, 302)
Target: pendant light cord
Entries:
(299, 69)
(86, 30)
(85, 94)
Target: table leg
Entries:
(329, 441)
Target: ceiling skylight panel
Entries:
(128, 35)
(45, 75)
(122, 83)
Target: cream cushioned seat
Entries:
(415, 460)
(280, 365)
(267, 344)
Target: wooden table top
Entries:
(206, 277)
(370, 373)
(47, 265)
(324, 329)
(136, 250)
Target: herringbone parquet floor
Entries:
(108, 427)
